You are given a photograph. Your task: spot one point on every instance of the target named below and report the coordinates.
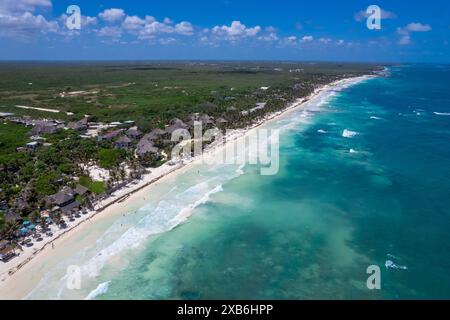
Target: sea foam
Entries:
(349, 134)
(102, 288)
(442, 113)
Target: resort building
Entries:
(123, 142)
(110, 135)
(134, 133)
(81, 125)
(64, 200)
(145, 147)
(176, 125)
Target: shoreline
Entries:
(14, 271)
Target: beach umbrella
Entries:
(31, 226)
(24, 230)
(26, 222)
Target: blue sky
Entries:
(225, 29)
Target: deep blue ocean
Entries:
(380, 196)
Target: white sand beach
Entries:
(22, 273)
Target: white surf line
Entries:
(40, 109)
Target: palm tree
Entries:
(122, 174)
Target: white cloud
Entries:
(112, 15)
(307, 39)
(417, 27)
(21, 6)
(405, 32)
(184, 28)
(272, 36)
(340, 42)
(152, 27)
(133, 23)
(25, 25)
(150, 30)
(150, 19)
(235, 31)
(18, 18)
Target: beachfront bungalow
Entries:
(81, 190)
(153, 135)
(192, 120)
(43, 128)
(123, 143)
(134, 133)
(63, 197)
(64, 200)
(25, 120)
(81, 125)
(176, 125)
(146, 147)
(70, 207)
(221, 121)
(110, 135)
(149, 137)
(158, 132)
(207, 120)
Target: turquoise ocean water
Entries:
(337, 205)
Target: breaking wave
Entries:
(101, 289)
(442, 113)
